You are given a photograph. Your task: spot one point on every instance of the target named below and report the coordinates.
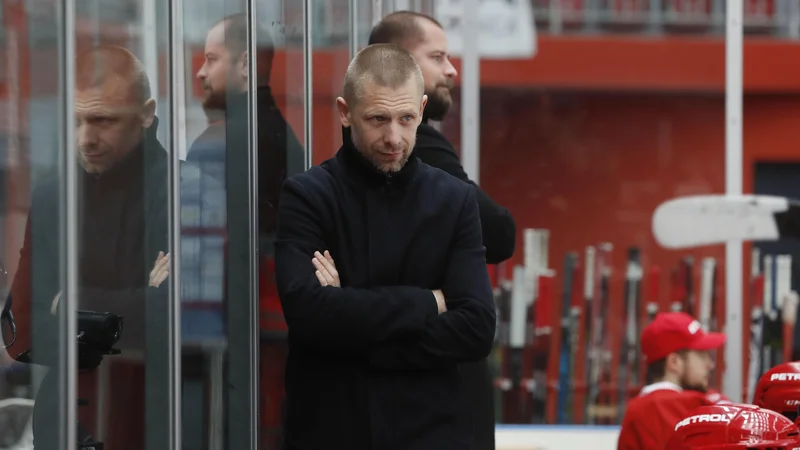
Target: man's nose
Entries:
(450, 70)
(201, 74)
(86, 136)
(391, 134)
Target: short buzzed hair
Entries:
(386, 65)
(107, 63)
(401, 28)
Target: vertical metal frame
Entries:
(242, 362)
(252, 211)
(732, 380)
(149, 38)
(67, 367)
(352, 22)
(177, 136)
(377, 12)
(471, 91)
(308, 80)
(162, 315)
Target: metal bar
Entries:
(377, 11)
(241, 368)
(253, 313)
(68, 368)
(733, 186)
(149, 38)
(308, 81)
(352, 43)
(177, 150)
(163, 309)
(470, 90)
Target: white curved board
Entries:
(700, 220)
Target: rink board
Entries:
(557, 437)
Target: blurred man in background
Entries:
(425, 39)
(221, 150)
(679, 363)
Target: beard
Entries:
(214, 100)
(439, 101)
(693, 386)
(370, 153)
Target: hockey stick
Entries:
(582, 361)
(700, 220)
(789, 313)
(569, 325)
(629, 350)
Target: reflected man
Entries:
(122, 197)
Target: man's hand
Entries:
(326, 269)
(160, 270)
(440, 301)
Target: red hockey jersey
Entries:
(650, 418)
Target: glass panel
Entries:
(32, 219)
(216, 313)
(582, 136)
(331, 57)
(281, 153)
(123, 218)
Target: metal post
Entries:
(352, 42)
(377, 11)
(177, 149)
(470, 90)
(149, 37)
(308, 81)
(252, 324)
(163, 312)
(241, 179)
(733, 186)
(67, 366)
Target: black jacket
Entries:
(499, 229)
(122, 224)
(371, 364)
(499, 233)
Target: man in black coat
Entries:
(425, 39)
(381, 272)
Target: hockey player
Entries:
(779, 390)
(733, 427)
(678, 366)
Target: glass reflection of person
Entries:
(123, 233)
(224, 76)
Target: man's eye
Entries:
(408, 118)
(378, 118)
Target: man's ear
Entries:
(344, 112)
(148, 113)
(422, 106)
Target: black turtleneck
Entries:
(113, 208)
(112, 225)
(362, 170)
(375, 354)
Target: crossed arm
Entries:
(394, 327)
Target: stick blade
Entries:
(701, 220)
